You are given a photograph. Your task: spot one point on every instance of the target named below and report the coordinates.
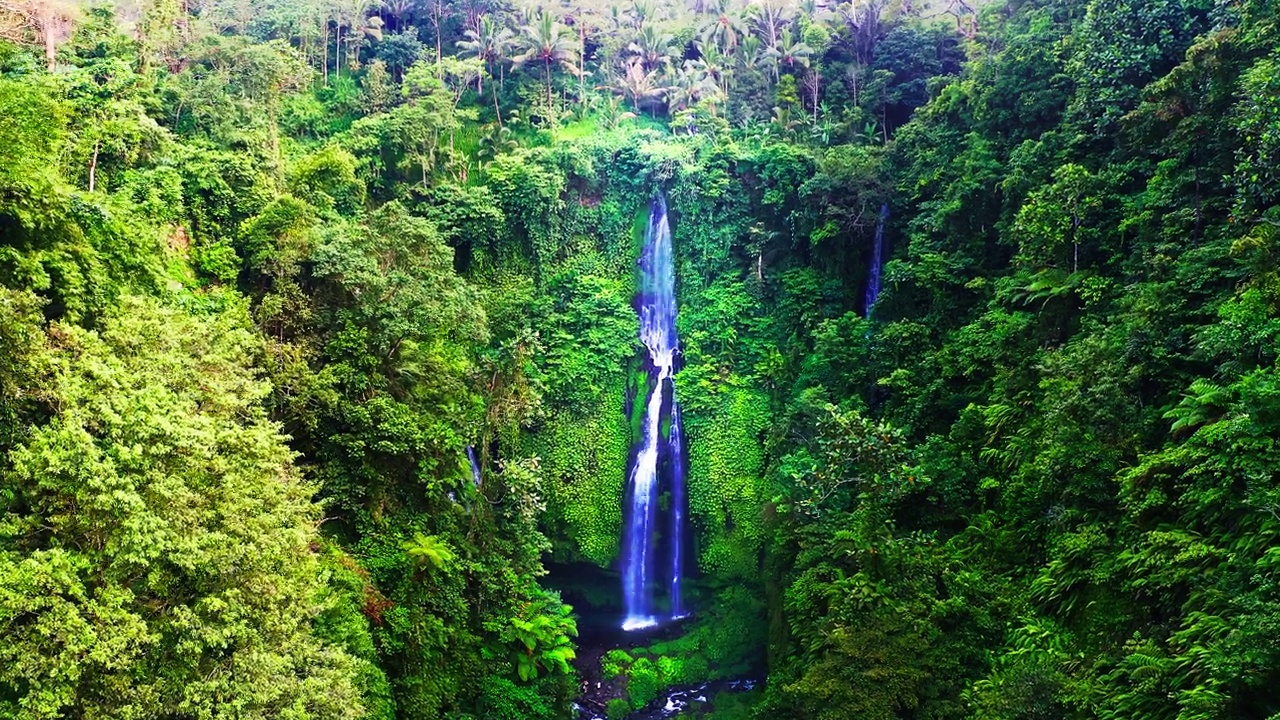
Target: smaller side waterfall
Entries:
(475, 465)
(877, 262)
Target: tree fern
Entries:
(429, 551)
(1202, 404)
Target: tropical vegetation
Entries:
(269, 268)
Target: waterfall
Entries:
(877, 262)
(475, 465)
(678, 503)
(656, 305)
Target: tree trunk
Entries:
(1075, 242)
(275, 146)
(47, 30)
(547, 71)
(582, 69)
(93, 165)
(496, 111)
(817, 91)
(439, 47)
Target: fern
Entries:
(1203, 404)
(429, 551)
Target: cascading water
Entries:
(678, 503)
(656, 305)
(475, 465)
(877, 262)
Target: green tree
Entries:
(541, 633)
(550, 44)
(155, 540)
(489, 42)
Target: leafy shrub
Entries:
(614, 663)
(502, 699)
(643, 683)
(616, 709)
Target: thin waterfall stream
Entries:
(660, 457)
(877, 263)
(475, 465)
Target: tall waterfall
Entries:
(657, 456)
(877, 262)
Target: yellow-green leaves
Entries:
(429, 552)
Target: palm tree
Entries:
(724, 28)
(643, 11)
(753, 55)
(618, 18)
(769, 17)
(354, 15)
(489, 42)
(549, 43)
(864, 25)
(750, 51)
(783, 120)
(399, 9)
(714, 65)
(692, 84)
(638, 83)
(820, 12)
(589, 18)
(684, 89)
(789, 51)
(654, 47)
(495, 140)
(612, 112)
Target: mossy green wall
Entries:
(584, 462)
(727, 489)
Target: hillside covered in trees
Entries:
(323, 369)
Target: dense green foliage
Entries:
(267, 269)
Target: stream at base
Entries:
(675, 700)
